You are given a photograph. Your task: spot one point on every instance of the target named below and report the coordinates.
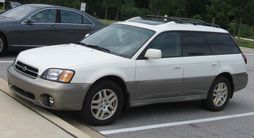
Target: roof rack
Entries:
(178, 20)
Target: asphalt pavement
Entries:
(187, 119)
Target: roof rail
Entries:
(179, 20)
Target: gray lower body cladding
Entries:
(240, 81)
(175, 90)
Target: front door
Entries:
(161, 78)
(40, 31)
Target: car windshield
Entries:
(122, 40)
(19, 12)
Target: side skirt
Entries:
(168, 100)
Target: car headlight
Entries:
(58, 75)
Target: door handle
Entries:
(53, 27)
(214, 64)
(177, 68)
(89, 28)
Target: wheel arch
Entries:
(5, 39)
(230, 78)
(118, 80)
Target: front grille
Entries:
(26, 69)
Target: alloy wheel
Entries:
(220, 94)
(104, 104)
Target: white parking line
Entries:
(6, 61)
(140, 128)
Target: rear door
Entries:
(200, 66)
(73, 26)
(41, 31)
(160, 78)
(230, 57)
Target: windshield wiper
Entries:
(94, 47)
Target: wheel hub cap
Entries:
(220, 94)
(104, 104)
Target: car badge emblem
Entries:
(24, 68)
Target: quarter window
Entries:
(169, 43)
(71, 17)
(45, 16)
(221, 43)
(194, 44)
(86, 21)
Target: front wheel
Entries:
(218, 95)
(103, 103)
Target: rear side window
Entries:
(71, 17)
(221, 44)
(194, 44)
(86, 21)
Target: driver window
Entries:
(45, 16)
(169, 43)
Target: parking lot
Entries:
(186, 119)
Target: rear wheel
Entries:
(218, 95)
(103, 103)
(2, 45)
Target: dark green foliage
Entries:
(223, 12)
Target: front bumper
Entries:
(66, 96)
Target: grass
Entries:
(107, 22)
(1, 8)
(245, 43)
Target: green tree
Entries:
(240, 11)
(118, 5)
(159, 6)
(128, 9)
(217, 9)
(107, 4)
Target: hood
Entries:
(4, 19)
(66, 56)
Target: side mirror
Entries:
(153, 54)
(29, 21)
(87, 35)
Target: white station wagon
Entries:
(137, 62)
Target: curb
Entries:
(68, 128)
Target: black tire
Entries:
(3, 47)
(209, 103)
(87, 112)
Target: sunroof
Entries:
(149, 22)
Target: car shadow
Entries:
(138, 113)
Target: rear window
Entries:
(194, 44)
(221, 44)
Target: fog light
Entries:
(47, 100)
(51, 101)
